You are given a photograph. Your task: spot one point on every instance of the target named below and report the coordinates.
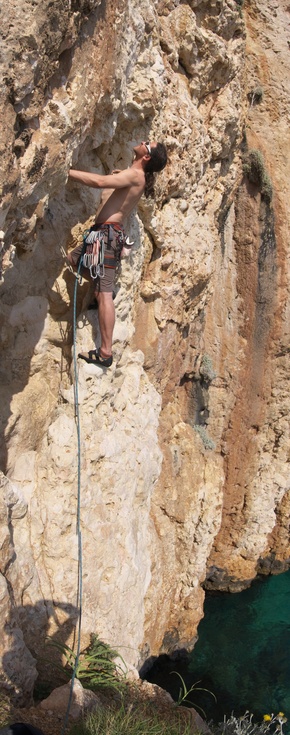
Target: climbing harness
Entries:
(103, 247)
(97, 244)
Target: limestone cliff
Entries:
(185, 440)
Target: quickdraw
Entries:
(93, 257)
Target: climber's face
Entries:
(144, 149)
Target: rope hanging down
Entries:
(78, 522)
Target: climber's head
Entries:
(153, 154)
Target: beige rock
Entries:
(182, 470)
(197, 722)
(81, 700)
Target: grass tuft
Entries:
(140, 720)
(5, 709)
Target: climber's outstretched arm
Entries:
(119, 180)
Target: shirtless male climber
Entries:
(123, 190)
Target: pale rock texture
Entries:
(181, 461)
(254, 535)
(81, 700)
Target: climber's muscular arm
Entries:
(119, 180)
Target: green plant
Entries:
(96, 666)
(5, 709)
(208, 443)
(245, 726)
(206, 368)
(184, 692)
(134, 720)
(254, 169)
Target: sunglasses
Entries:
(148, 147)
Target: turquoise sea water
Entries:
(243, 650)
(242, 654)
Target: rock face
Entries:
(182, 457)
(83, 700)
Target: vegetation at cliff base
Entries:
(96, 667)
(270, 725)
(184, 693)
(146, 719)
(149, 719)
(5, 709)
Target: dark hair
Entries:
(157, 161)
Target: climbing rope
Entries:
(78, 522)
(68, 265)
